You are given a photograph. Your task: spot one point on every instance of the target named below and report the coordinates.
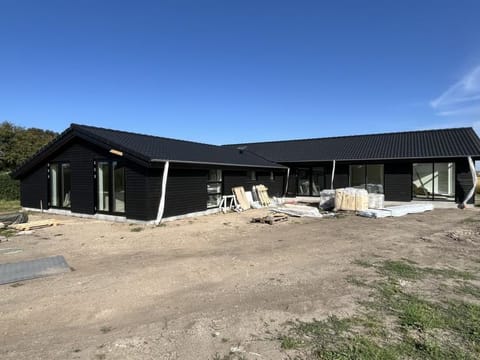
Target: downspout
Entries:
(474, 180)
(161, 205)
(286, 182)
(333, 175)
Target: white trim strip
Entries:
(474, 180)
(161, 204)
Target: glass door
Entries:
(303, 182)
(103, 186)
(110, 187)
(318, 180)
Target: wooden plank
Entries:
(262, 192)
(242, 200)
(35, 224)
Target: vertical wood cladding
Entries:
(154, 192)
(463, 181)
(340, 178)
(398, 181)
(136, 192)
(142, 186)
(186, 191)
(33, 189)
(81, 155)
(234, 178)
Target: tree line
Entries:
(17, 144)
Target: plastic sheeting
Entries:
(396, 211)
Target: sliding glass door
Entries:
(369, 177)
(434, 181)
(60, 185)
(110, 187)
(303, 182)
(310, 181)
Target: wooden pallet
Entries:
(35, 225)
(270, 219)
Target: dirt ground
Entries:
(194, 288)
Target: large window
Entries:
(318, 180)
(110, 187)
(303, 182)
(310, 181)
(60, 185)
(434, 181)
(369, 177)
(214, 188)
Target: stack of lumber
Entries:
(262, 194)
(35, 224)
(351, 199)
(242, 199)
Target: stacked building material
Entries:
(351, 199)
(327, 199)
(376, 201)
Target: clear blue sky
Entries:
(231, 71)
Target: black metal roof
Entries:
(151, 149)
(456, 142)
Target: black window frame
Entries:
(215, 182)
(61, 200)
(309, 171)
(432, 198)
(111, 186)
(365, 182)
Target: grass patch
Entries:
(7, 232)
(288, 343)
(9, 206)
(450, 273)
(136, 229)
(400, 269)
(407, 269)
(395, 323)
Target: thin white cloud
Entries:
(462, 98)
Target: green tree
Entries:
(17, 144)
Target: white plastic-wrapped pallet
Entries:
(339, 198)
(361, 199)
(327, 199)
(376, 201)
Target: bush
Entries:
(9, 188)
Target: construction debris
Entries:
(35, 224)
(301, 211)
(270, 219)
(13, 218)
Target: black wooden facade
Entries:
(398, 176)
(186, 189)
(143, 157)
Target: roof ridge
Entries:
(351, 136)
(142, 134)
(217, 147)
